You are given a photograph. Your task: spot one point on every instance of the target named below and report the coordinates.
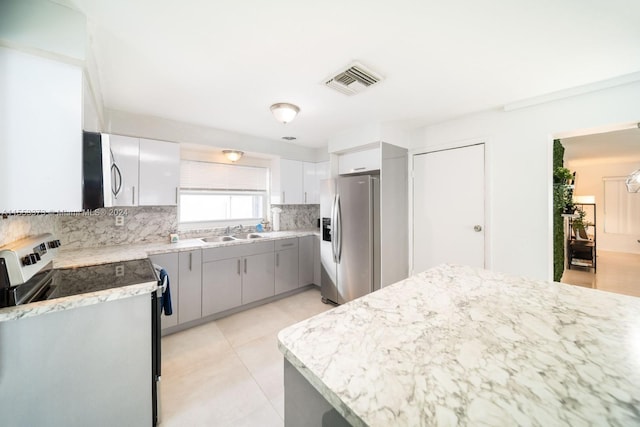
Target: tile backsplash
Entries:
(141, 225)
(295, 217)
(15, 227)
(83, 230)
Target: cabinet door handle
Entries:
(283, 197)
(238, 267)
(286, 244)
(305, 197)
(245, 266)
(116, 175)
(133, 195)
(190, 260)
(176, 195)
(277, 259)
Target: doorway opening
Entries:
(600, 230)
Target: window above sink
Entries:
(217, 195)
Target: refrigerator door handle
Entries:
(334, 229)
(339, 231)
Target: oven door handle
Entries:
(42, 293)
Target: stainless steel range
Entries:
(26, 269)
(27, 275)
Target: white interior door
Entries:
(448, 207)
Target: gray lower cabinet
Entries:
(221, 285)
(235, 275)
(258, 277)
(190, 291)
(286, 274)
(317, 265)
(170, 263)
(306, 260)
(213, 280)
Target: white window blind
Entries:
(212, 194)
(621, 208)
(196, 175)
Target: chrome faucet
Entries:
(238, 228)
(227, 231)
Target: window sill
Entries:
(212, 225)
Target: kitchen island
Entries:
(462, 346)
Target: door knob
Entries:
(477, 228)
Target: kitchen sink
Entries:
(245, 236)
(216, 239)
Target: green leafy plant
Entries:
(559, 198)
(568, 208)
(562, 175)
(579, 223)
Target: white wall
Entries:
(57, 32)
(519, 147)
(589, 183)
(43, 26)
(122, 123)
(368, 134)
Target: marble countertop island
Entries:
(462, 346)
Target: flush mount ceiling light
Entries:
(284, 112)
(289, 138)
(232, 155)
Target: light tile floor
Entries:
(230, 372)
(617, 272)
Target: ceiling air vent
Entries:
(354, 79)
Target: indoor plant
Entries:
(578, 223)
(562, 175)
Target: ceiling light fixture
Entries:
(284, 112)
(289, 138)
(633, 182)
(232, 155)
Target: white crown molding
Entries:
(574, 91)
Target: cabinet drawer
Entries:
(286, 244)
(235, 251)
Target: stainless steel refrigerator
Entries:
(350, 247)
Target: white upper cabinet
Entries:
(310, 183)
(322, 171)
(159, 173)
(291, 186)
(40, 134)
(144, 172)
(359, 161)
(298, 182)
(125, 152)
(313, 173)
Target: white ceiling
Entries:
(619, 146)
(223, 63)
